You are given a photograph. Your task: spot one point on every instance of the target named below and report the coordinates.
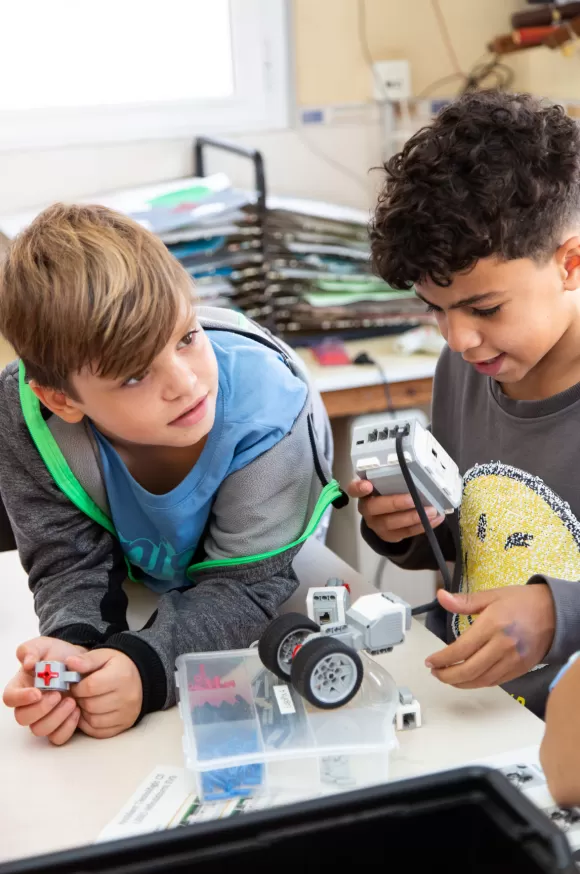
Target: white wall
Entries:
(29, 179)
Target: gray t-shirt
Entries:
(518, 520)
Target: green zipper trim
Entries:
(53, 458)
(65, 479)
(329, 493)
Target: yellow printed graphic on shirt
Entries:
(512, 527)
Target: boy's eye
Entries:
(188, 339)
(486, 313)
(135, 380)
(483, 313)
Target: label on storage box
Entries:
(284, 699)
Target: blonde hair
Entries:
(86, 286)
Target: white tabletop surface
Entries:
(396, 367)
(87, 781)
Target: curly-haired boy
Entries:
(481, 213)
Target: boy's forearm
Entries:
(226, 612)
(413, 554)
(560, 750)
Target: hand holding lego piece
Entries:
(54, 675)
(110, 695)
(392, 517)
(51, 713)
(512, 633)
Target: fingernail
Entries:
(408, 502)
(428, 664)
(432, 513)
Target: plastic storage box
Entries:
(248, 733)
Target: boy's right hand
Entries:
(392, 517)
(47, 714)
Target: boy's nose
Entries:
(180, 382)
(461, 336)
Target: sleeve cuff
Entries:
(149, 665)
(395, 551)
(80, 634)
(566, 595)
(564, 670)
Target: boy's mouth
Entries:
(490, 367)
(193, 414)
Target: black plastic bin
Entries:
(469, 820)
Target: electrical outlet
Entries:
(395, 77)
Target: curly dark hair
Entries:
(495, 174)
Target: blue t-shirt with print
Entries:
(160, 533)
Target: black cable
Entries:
(433, 542)
(378, 578)
(475, 78)
(503, 74)
(364, 358)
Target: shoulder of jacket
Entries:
(10, 409)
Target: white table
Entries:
(87, 781)
(352, 390)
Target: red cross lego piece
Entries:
(47, 675)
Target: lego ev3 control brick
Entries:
(435, 474)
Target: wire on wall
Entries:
(445, 36)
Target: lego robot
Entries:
(318, 653)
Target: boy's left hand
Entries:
(110, 697)
(511, 634)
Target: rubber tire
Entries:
(305, 661)
(275, 633)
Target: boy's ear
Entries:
(58, 403)
(569, 257)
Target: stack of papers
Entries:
(211, 228)
(319, 279)
(303, 269)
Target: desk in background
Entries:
(353, 390)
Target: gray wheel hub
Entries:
(287, 647)
(333, 678)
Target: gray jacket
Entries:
(53, 490)
(519, 517)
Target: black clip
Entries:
(341, 501)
